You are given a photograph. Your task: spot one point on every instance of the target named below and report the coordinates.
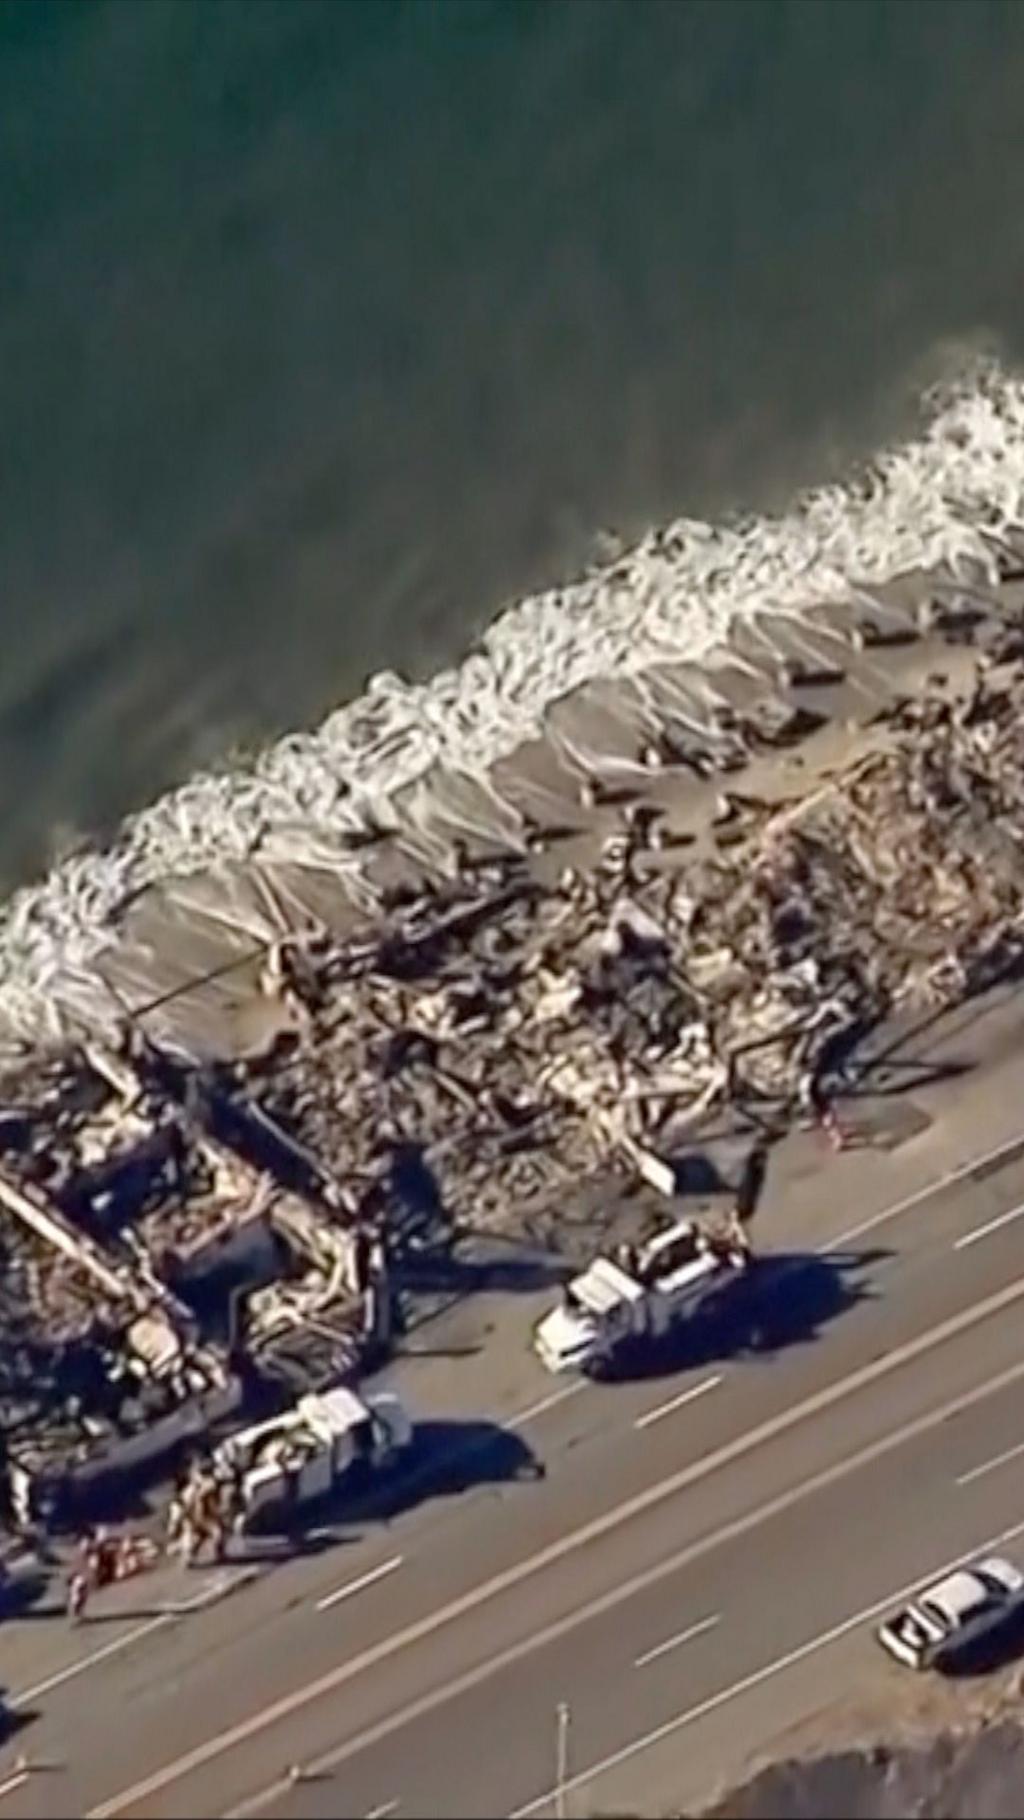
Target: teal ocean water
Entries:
(328, 330)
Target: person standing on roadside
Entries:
(77, 1594)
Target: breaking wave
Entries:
(951, 498)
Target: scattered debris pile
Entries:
(99, 1372)
(498, 1039)
(149, 1277)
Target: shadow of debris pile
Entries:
(974, 1776)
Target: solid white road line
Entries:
(14, 1782)
(760, 1675)
(684, 1636)
(875, 1371)
(549, 1402)
(354, 1586)
(938, 1186)
(382, 1812)
(982, 1232)
(207, 1595)
(1001, 1459)
(674, 1403)
(28, 1694)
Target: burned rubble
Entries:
(498, 1037)
(152, 1278)
(600, 1015)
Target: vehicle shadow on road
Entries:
(449, 1459)
(786, 1299)
(20, 1596)
(13, 1719)
(446, 1459)
(989, 1654)
(270, 1550)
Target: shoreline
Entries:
(778, 706)
(950, 503)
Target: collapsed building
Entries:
(180, 1230)
(464, 1073)
(152, 1283)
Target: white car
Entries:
(955, 1612)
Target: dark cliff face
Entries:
(976, 1777)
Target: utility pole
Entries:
(562, 1758)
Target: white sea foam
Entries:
(950, 498)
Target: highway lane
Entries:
(692, 1656)
(686, 1527)
(229, 1663)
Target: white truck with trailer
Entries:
(311, 1451)
(639, 1297)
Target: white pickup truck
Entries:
(305, 1454)
(614, 1304)
(944, 1620)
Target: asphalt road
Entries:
(662, 1649)
(695, 1538)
